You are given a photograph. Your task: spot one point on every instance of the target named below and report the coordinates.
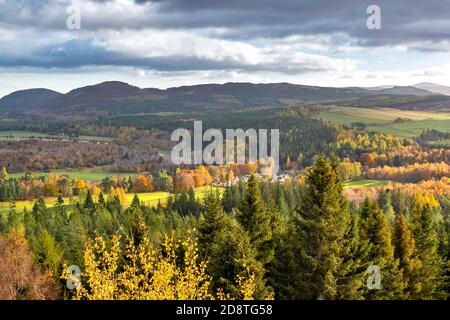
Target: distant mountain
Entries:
(433, 87)
(26, 100)
(114, 97)
(97, 97)
(379, 87)
(401, 91)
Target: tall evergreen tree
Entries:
(88, 201)
(136, 203)
(322, 228)
(404, 251)
(233, 255)
(375, 229)
(256, 220)
(101, 200)
(211, 222)
(431, 275)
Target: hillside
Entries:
(113, 97)
(26, 100)
(433, 87)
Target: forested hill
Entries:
(25, 100)
(121, 98)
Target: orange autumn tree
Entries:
(143, 184)
(20, 277)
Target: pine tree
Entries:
(256, 220)
(88, 201)
(136, 203)
(322, 226)
(48, 252)
(101, 200)
(375, 229)
(139, 229)
(404, 251)
(59, 201)
(130, 185)
(40, 210)
(232, 255)
(426, 241)
(227, 199)
(211, 222)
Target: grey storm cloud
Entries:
(416, 24)
(403, 21)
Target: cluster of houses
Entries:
(278, 178)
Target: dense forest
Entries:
(259, 240)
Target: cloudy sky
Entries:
(165, 43)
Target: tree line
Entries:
(259, 239)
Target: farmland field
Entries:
(384, 120)
(150, 199)
(364, 183)
(89, 175)
(19, 134)
(22, 134)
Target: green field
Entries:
(22, 134)
(364, 183)
(5, 135)
(440, 143)
(88, 175)
(150, 199)
(383, 119)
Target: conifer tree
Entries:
(139, 229)
(136, 203)
(211, 222)
(426, 245)
(130, 185)
(322, 226)
(59, 201)
(101, 200)
(404, 251)
(375, 229)
(256, 220)
(232, 255)
(88, 201)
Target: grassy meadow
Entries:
(85, 174)
(150, 199)
(364, 183)
(385, 120)
(22, 134)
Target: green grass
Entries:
(150, 199)
(364, 183)
(445, 142)
(22, 134)
(382, 120)
(89, 175)
(158, 114)
(5, 135)
(28, 204)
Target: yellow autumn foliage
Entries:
(142, 272)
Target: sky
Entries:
(167, 43)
